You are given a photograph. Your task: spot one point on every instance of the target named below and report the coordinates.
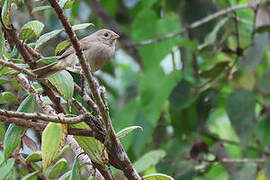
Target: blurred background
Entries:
(201, 95)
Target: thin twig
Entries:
(195, 24)
(244, 160)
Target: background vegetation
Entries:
(193, 74)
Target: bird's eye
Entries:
(106, 34)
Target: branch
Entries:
(126, 43)
(44, 117)
(244, 160)
(114, 147)
(195, 24)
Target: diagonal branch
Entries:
(195, 24)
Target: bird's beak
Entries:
(115, 36)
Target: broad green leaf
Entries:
(13, 133)
(6, 167)
(65, 4)
(94, 148)
(157, 176)
(81, 26)
(215, 70)
(31, 176)
(255, 52)
(47, 60)
(63, 81)
(182, 95)
(31, 30)
(75, 174)
(263, 29)
(149, 160)
(53, 140)
(4, 80)
(57, 169)
(11, 71)
(264, 82)
(7, 97)
(34, 157)
(124, 132)
(212, 36)
(6, 12)
(40, 8)
(241, 110)
(46, 37)
(61, 46)
(65, 176)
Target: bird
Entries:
(98, 48)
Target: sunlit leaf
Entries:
(35, 156)
(40, 8)
(124, 132)
(60, 167)
(81, 26)
(31, 176)
(46, 37)
(6, 12)
(6, 167)
(75, 174)
(31, 30)
(63, 81)
(61, 46)
(7, 97)
(157, 176)
(47, 60)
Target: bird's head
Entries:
(107, 36)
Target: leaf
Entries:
(31, 176)
(182, 95)
(58, 168)
(264, 82)
(7, 97)
(248, 171)
(63, 81)
(2, 43)
(65, 176)
(29, 142)
(266, 169)
(157, 176)
(14, 132)
(94, 148)
(40, 8)
(212, 36)
(255, 52)
(149, 160)
(47, 60)
(65, 4)
(4, 80)
(6, 167)
(6, 12)
(215, 71)
(75, 173)
(31, 30)
(46, 37)
(124, 132)
(61, 46)
(53, 139)
(241, 110)
(34, 157)
(81, 26)
(2, 131)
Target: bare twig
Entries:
(243, 160)
(44, 117)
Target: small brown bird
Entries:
(98, 49)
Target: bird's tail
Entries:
(47, 71)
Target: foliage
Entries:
(200, 89)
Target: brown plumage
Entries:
(98, 49)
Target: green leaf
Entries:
(149, 160)
(47, 60)
(58, 168)
(264, 82)
(215, 71)
(2, 131)
(65, 176)
(46, 37)
(241, 110)
(4, 80)
(90, 145)
(157, 176)
(31, 176)
(81, 26)
(75, 174)
(6, 167)
(2, 43)
(28, 104)
(66, 4)
(61, 46)
(63, 81)
(248, 171)
(40, 8)
(6, 12)
(212, 36)
(7, 97)
(34, 157)
(255, 52)
(124, 132)
(31, 30)
(53, 139)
